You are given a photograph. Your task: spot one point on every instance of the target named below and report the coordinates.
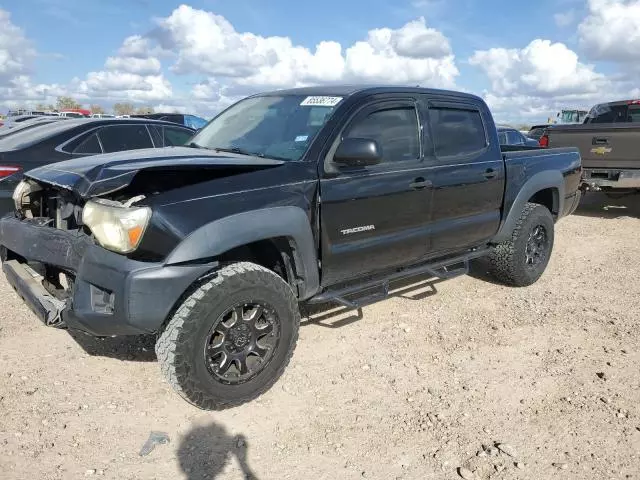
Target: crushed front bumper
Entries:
(111, 294)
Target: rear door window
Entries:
(90, 146)
(117, 138)
(456, 131)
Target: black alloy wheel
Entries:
(241, 342)
(537, 246)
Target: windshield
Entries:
(572, 116)
(280, 127)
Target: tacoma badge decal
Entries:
(364, 228)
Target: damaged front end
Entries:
(44, 243)
(84, 248)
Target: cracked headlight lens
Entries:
(117, 227)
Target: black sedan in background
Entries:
(512, 137)
(11, 128)
(54, 142)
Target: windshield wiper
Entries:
(237, 150)
(240, 151)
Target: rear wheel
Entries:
(232, 338)
(521, 260)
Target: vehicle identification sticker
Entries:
(320, 101)
(302, 138)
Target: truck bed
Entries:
(602, 146)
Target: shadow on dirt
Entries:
(479, 269)
(599, 205)
(333, 315)
(204, 452)
(134, 349)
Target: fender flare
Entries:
(220, 236)
(538, 182)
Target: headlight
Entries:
(21, 195)
(116, 226)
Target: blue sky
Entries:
(70, 41)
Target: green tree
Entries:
(43, 107)
(66, 103)
(124, 109)
(145, 110)
(96, 109)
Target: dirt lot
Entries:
(411, 390)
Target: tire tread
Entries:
(176, 337)
(504, 260)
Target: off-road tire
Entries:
(507, 262)
(180, 345)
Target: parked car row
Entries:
(43, 140)
(191, 121)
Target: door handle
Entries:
(490, 173)
(420, 183)
(600, 141)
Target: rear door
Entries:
(376, 217)
(467, 173)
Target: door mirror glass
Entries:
(358, 152)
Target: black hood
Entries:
(101, 174)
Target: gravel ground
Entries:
(463, 379)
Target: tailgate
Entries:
(601, 147)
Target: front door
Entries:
(376, 217)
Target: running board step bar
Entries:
(444, 269)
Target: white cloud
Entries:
(415, 40)
(206, 43)
(16, 51)
(119, 86)
(533, 83)
(542, 68)
(140, 66)
(611, 30)
(564, 19)
(135, 46)
(20, 91)
(134, 74)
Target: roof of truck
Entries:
(348, 90)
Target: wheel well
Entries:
(276, 254)
(547, 198)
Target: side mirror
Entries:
(358, 152)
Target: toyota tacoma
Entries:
(288, 198)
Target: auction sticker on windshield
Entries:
(320, 101)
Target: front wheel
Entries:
(521, 260)
(231, 339)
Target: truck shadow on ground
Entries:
(333, 315)
(135, 348)
(205, 451)
(479, 269)
(599, 205)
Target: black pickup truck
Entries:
(287, 198)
